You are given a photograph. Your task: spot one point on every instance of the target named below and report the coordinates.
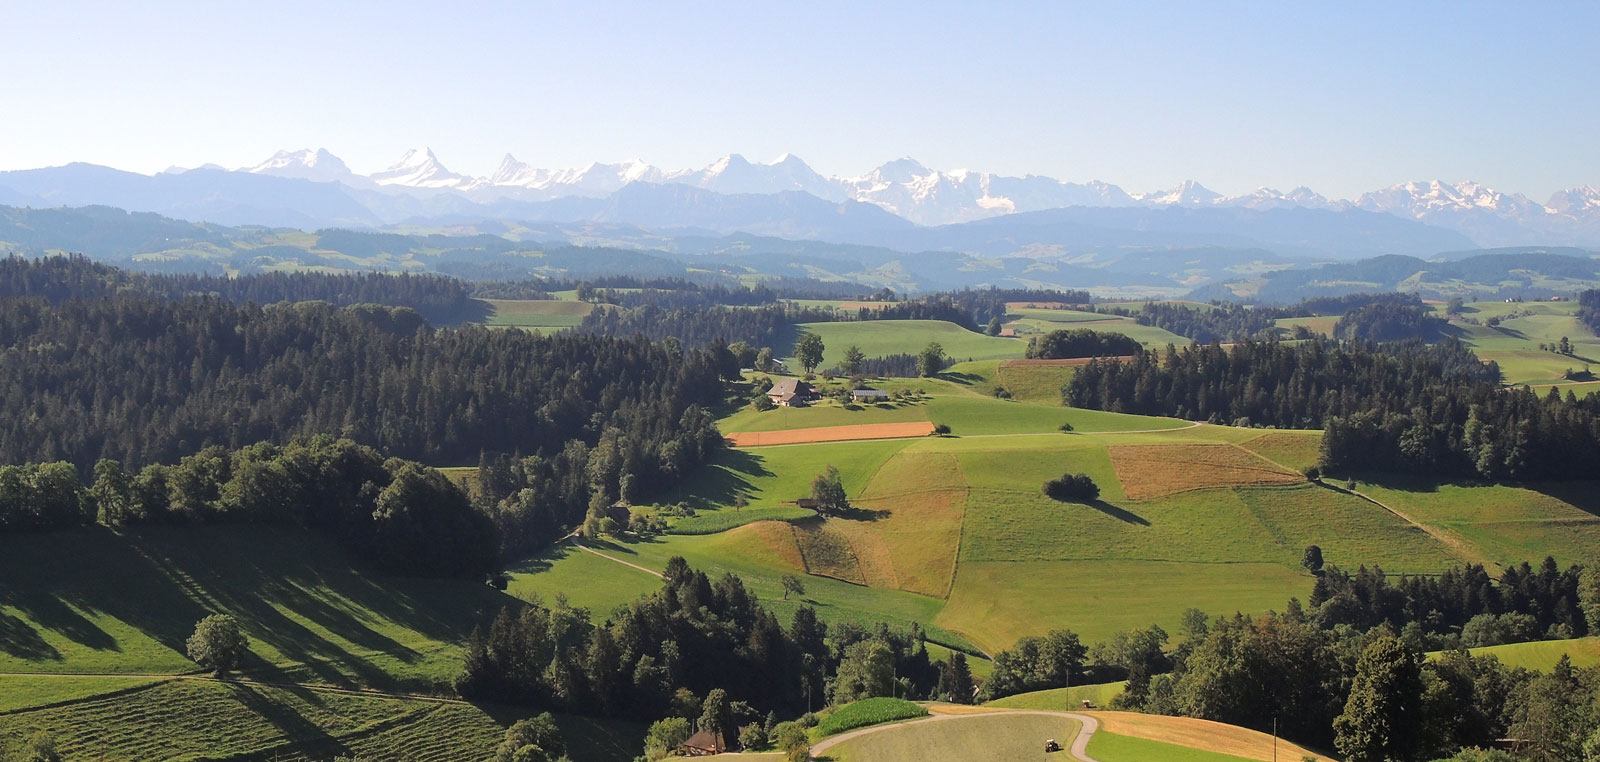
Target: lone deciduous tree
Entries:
(853, 357)
(218, 643)
(1312, 559)
(829, 492)
(809, 351)
(1072, 488)
(931, 360)
(792, 584)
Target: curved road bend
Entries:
(1078, 749)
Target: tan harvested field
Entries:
(1071, 362)
(1290, 449)
(779, 539)
(827, 552)
(1202, 734)
(831, 434)
(909, 542)
(1148, 471)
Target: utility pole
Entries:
(1274, 738)
(1067, 695)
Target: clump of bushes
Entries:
(1076, 488)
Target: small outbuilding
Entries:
(792, 392)
(869, 395)
(703, 744)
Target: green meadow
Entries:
(879, 338)
(546, 314)
(967, 509)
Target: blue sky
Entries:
(1343, 97)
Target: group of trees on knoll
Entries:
(1388, 322)
(1080, 342)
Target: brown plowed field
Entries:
(831, 434)
(1071, 362)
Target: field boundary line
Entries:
(93, 697)
(168, 678)
(646, 570)
(1253, 453)
(1469, 553)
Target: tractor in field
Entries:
(1051, 745)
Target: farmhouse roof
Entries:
(869, 393)
(704, 742)
(789, 388)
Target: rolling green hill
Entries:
(79, 608)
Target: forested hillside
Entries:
(56, 279)
(1399, 407)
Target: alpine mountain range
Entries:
(314, 188)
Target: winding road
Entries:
(1078, 749)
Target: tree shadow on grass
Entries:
(964, 379)
(1120, 514)
(50, 612)
(718, 483)
(18, 639)
(858, 513)
(293, 592)
(296, 729)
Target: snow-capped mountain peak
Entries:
(307, 164)
(419, 168)
(1188, 193)
(1585, 198)
(901, 170)
(1421, 199)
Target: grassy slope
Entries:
(1025, 564)
(1541, 655)
(1109, 747)
(1028, 321)
(996, 737)
(1056, 699)
(536, 313)
(1183, 738)
(878, 338)
(98, 601)
(1506, 524)
(193, 719)
(1514, 344)
(94, 601)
